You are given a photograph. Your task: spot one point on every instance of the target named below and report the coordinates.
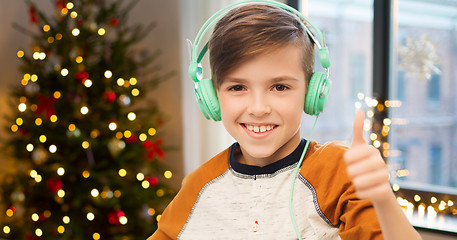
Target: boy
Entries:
(262, 60)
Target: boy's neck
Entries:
(244, 158)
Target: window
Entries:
(435, 169)
(419, 86)
(423, 133)
(434, 88)
(347, 26)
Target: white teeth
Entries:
(260, 129)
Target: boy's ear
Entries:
(207, 99)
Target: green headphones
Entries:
(319, 84)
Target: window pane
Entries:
(423, 134)
(425, 81)
(347, 26)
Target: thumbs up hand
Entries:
(366, 167)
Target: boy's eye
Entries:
(280, 87)
(236, 88)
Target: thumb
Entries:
(357, 138)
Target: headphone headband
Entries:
(195, 69)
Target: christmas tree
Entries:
(87, 147)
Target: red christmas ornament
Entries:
(61, 4)
(46, 106)
(33, 15)
(54, 184)
(109, 96)
(132, 139)
(153, 181)
(82, 77)
(153, 149)
(114, 22)
(114, 217)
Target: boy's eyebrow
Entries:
(275, 79)
(284, 78)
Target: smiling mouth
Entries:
(259, 128)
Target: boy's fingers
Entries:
(357, 138)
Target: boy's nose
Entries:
(259, 105)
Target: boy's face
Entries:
(262, 104)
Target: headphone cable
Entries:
(297, 168)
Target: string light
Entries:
(20, 54)
(46, 28)
(22, 107)
(85, 144)
(38, 232)
(167, 174)
(123, 220)
(6, 229)
(151, 211)
(108, 74)
(61, 229)
(35, 217)
(53, 118)
(112, 126)
(61, 193)
(75, 32)
(96, 236)
(117, 194)
(29, 147)
(94, 193)
(122, 172)
(86, 174)
(127, 133)
(19, 121)
(135, 92)
(152, 131)
(53, 148)
(140, 176)
(101, 31)
(131, 116)
(90, 216)
(120, 82)
(145, 184)
(133, 81)
(61, 171)
(73, 14)
(64, 72)
(143, 137)
(84, 110)
(38, 121)
(14, 128)
(66, 219)
(38, 178)
(160, 192)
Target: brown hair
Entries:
(250, 30)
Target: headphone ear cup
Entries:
(317, 95)
(207, 99)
